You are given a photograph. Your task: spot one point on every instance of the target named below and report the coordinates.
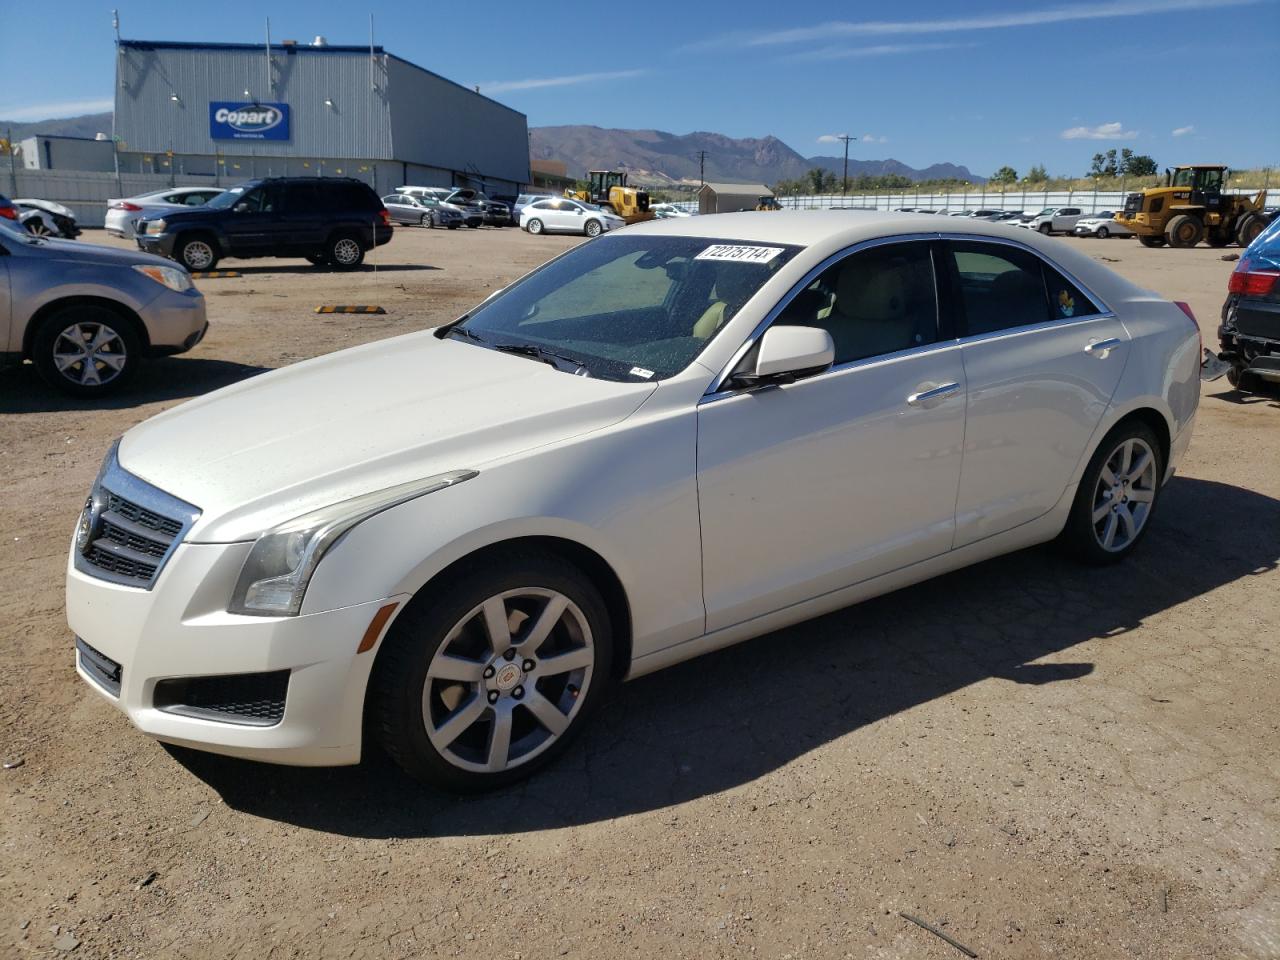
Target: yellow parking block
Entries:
(214, 274)
(362, 308)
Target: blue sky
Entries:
(981, 83)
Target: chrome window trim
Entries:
(716, 389)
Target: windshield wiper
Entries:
(464, 332)
(542, 353)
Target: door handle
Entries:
(923, 397)
(1102, 348)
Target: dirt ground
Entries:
(1041, 760)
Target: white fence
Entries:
(1090, 201)
(85, 193)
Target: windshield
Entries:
(225, 201)
(628, 307)
(1046, 211)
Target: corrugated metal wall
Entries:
(357, 125)
(440, 124)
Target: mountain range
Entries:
(652, 157)
(655, 157)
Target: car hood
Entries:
(96, 253)
(279, 445)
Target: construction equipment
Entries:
(768, 202)
(1191, 206)
(608, 188)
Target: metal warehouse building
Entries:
(233, 111)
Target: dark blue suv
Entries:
(1250, 330)
(330, 221)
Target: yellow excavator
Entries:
(1191, 207)
(608, 188)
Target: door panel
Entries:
(7, 340)
(251, 231)
(829, 481)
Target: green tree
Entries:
(1038, 174)
(1138, 165)
(1005, 175)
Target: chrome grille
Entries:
(129, 528)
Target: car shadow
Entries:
(367, 267)
(157, 380)
(1265, 393)
(731, 717)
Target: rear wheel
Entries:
(1152, 241)
(1249, 228)
(427, 220)
(489, 673)
(344, 252)
(1184, 231)
(196, 253)
(86, 350)
(534, 226)
(1116, 496)
(318, 259)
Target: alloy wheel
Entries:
(37, 227)
(508, 680)
(346, 251)
(1124, 496)
(197, 255)
(89, 354)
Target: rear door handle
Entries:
(1102, 348)
(923, 397)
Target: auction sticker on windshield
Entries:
(740, 254)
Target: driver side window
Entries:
(873, 302)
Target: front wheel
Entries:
(1184, 231)
(592, 228)
(1116, 496)
(488, 674)
(426, 220)
(534, 226)
(86, 351)
(1103, 233)
(1046, 229)
(344, 252)
(38, 228)
(197, 253)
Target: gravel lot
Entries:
(1039, 759)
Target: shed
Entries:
(730, 197)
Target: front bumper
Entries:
(180, 629)
(160, 244)
(175, 321)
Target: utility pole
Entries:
(844, 182)
(702, 168)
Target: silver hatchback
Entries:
(85, 315)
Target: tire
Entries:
(86, 350)
(1184, 231)
(318, 259)
(1102, 233)
(344, 251)
(1153, 241)
(534, 226)
(446, 628)
(1046, 229)
(1250, 226)
(196, 252)
(1242, 380)
(427, 220)
(592, 228)
(1101, 530)
(37, 227)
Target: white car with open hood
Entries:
(657, 444)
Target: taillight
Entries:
(1186, 308)
(125, 205)
(9, 213)
(1252, 283)
(386, 217)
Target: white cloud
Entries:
(50, 111)
(1183, 131)
(830, 138)
(872, 138)
(985, 21)
(1103, 131)
(538, 83)
(880, 50)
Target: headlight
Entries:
(155, 226)
(172, 277)
(275, 575)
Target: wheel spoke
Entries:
(457, 722)
(64, 360)
(100, 339)
(1126, 457)
(548, 713)
(1109, 534)
(578, 659)
(89, 374)
(1127, 521)
(1100, 512)
(446, 667)
(543, 626)
(500, 740)
(113, 360)
(496, 624)
(1139, 468)
(1108, 477)
(1138, 495)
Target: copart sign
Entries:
(248, 121)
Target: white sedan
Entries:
(655, 445)
(561, 215)
(1101, 225)
(123, 214)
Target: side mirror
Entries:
(787, 353)
(240, 208)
